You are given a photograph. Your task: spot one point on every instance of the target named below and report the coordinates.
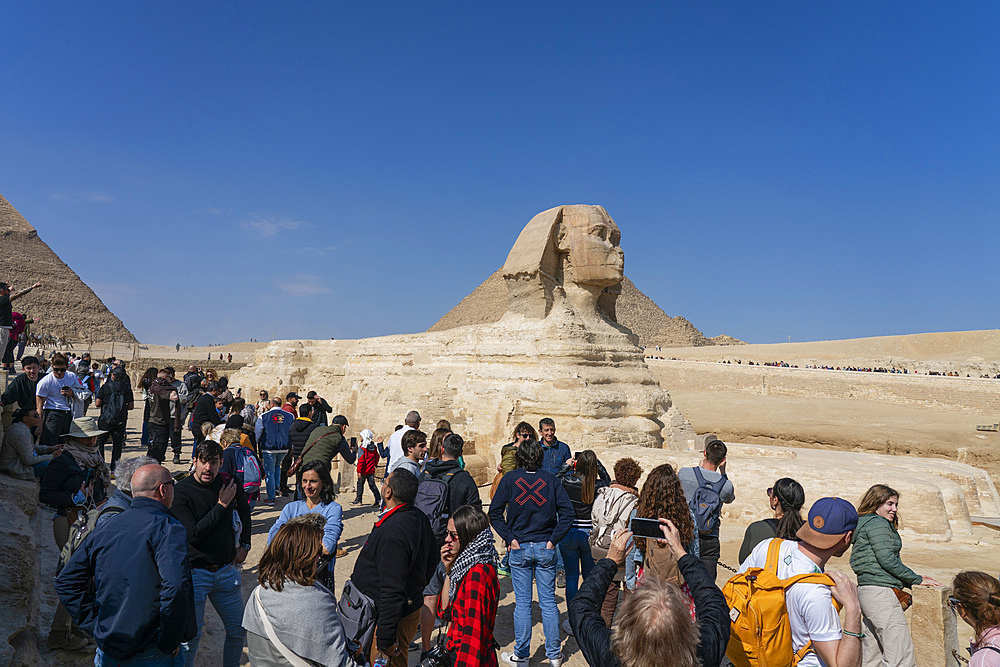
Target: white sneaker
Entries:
(556, 662)
(567, 628)
(511, 659)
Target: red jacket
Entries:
(367, 461)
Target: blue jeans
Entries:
(151, 657)
(577, 558)
(224, 589)
(533, 562)
(272, 468)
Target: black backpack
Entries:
(432, 499)
(112, 409)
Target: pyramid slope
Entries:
(64, 305)
(488, 302)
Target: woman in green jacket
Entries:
(875, 561)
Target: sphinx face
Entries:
(592, 240)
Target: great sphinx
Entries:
(557, 352)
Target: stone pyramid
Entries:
(64, 305)
(488, 302)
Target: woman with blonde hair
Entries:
(976, 598)
(292, 619)
(881, 579)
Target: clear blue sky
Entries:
(221, 171)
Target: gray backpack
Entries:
(706, 503)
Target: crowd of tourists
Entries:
(144, 551)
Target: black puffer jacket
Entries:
(594, 637)
(302, 428)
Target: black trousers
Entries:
(117, 436)
(175, 442)
(371, 485)
(710, 551)
(57, 422)
(159, 435)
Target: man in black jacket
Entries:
(395, 565)
(142, 604)
(204, 411)
(319, 408)
(163, 400)
(209, 504)
(298, 436)
(655, 620)
(21, 390)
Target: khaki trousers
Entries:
(887, 639)
(405, 631)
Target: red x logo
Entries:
(530, 491)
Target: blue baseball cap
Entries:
(829, 520)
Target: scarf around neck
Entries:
(481, 550)
(88, 458)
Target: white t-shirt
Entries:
(396, 445)
(811, 614)
(50, 386)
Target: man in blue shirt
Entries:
(556, 451)
(142, 605)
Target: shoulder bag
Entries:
(297, 463)
(286, 652)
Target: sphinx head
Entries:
(569, 251)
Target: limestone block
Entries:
(21, 494)
(17, 577)
(933, 627)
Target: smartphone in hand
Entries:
(646, 528)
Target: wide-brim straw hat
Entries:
(83, 427)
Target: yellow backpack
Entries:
(761, 635)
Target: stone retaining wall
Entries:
(972, 395)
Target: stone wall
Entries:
(972, 395)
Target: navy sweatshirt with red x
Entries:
(531, 507)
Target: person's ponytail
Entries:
(790, 496)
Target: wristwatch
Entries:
(245, 546)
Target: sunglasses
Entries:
(452, 534)
(953, 601)
(57, 369)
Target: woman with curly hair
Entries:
(663, 498)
